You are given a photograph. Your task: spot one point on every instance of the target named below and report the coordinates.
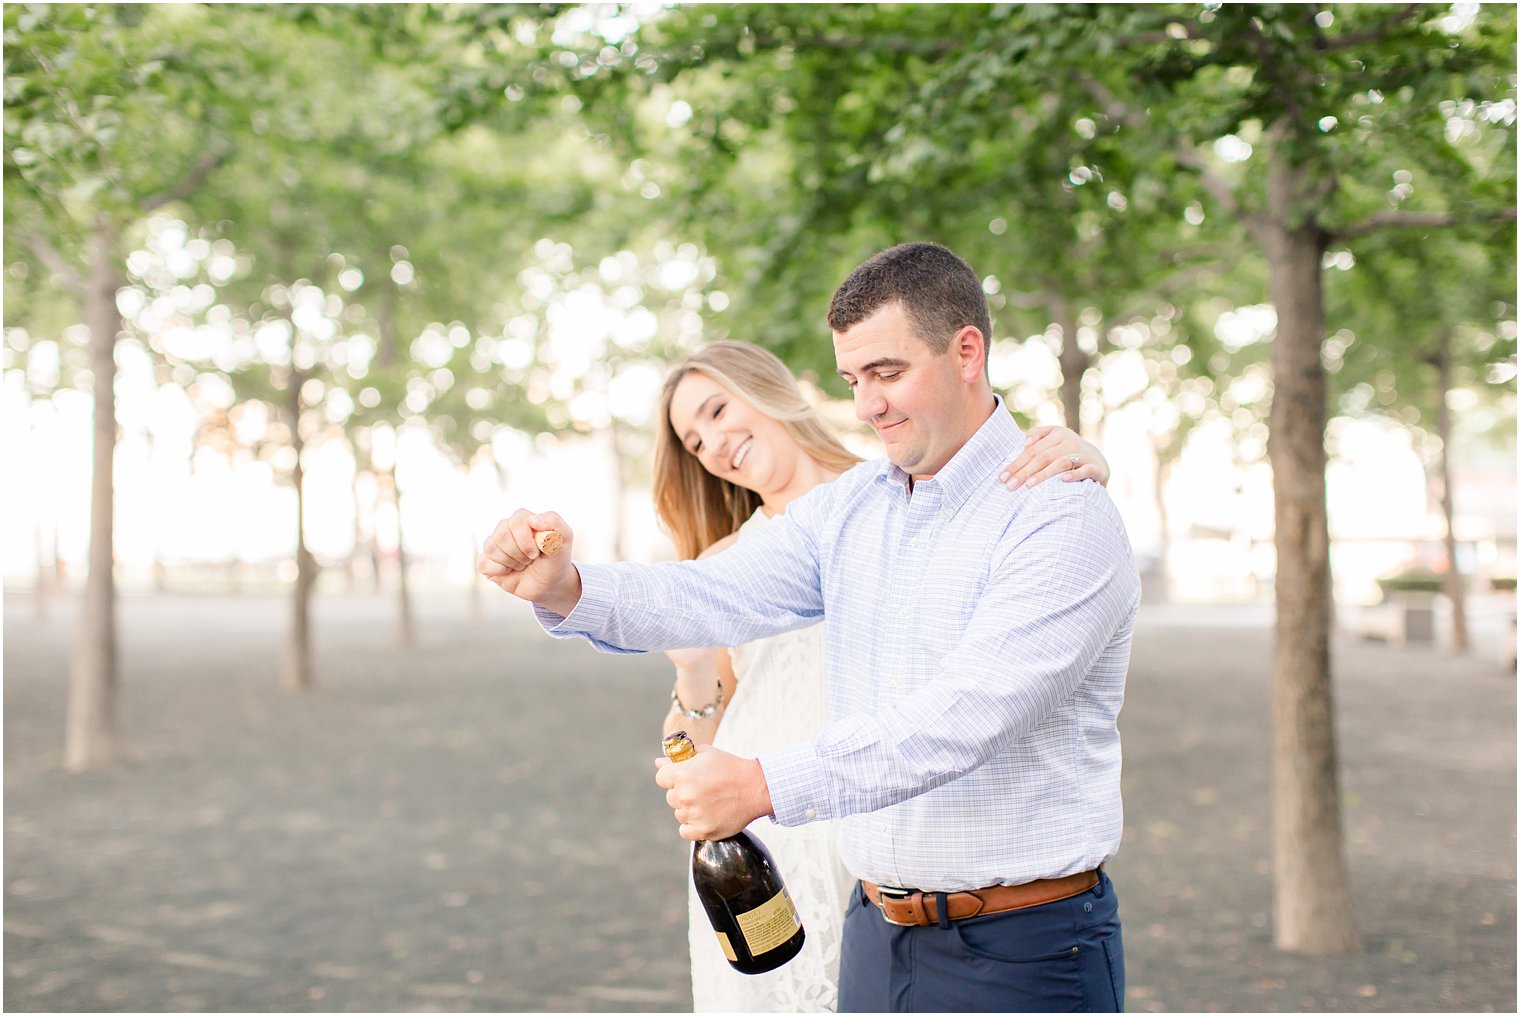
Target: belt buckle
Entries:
(897, 894)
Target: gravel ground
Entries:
(471, 825)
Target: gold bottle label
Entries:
(728, 947)
(770, 924)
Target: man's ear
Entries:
(970, 352)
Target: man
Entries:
(978, 644)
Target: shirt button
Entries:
(913, 542)
(892, 683)
(947, 513)
(810, 813)
(903, 612)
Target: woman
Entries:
(738, 443)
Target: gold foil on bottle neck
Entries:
(679, 747)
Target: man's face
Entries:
(916, 401)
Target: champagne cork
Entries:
(548, 541)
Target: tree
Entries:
(608, 330)
(98, 135)
(799, 139)
(428, 205)
(1284, 120)
(1172, 390)
(1427, 317)
(344, 205)
(38, 367)
(439, 290)
(114, 112)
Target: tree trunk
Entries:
(45, 570)
(90, 729)
(1454, 585)
(160, 566)
(1074, 361)
(45, 541)
(1162, 578)
(296, 673)
(1313, 900)
(406, 633)
(352, 571)
(477, 601)
(619, 492)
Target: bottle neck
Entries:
(679, 747)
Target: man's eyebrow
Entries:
(698, 415)
(889, 362)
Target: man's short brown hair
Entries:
(938, 291)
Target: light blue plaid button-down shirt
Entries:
(978, 641)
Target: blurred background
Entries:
(299, 300)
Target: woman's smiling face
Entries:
(732, 440)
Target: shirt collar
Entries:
(995, 443)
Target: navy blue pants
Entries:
(1066, 956)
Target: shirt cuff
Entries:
(796, 784)
(591, 611)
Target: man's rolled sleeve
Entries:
(797, 785)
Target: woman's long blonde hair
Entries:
(699, 509)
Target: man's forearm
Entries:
(763, 585)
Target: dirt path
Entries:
(472, 826)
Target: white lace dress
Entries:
(781, 700)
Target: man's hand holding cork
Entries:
(528, 555)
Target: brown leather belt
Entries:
(909, 908)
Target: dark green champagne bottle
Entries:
(741, 890)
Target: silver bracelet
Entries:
(706, 712)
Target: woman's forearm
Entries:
(705, 683)
(700, 731)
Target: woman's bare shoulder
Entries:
(720, 546)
